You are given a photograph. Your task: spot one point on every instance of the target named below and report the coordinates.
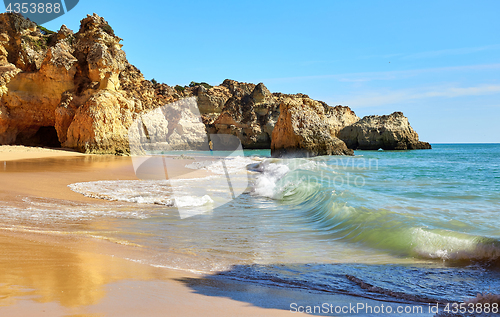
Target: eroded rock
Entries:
(308, 127)
(388, 132)
(78, 90)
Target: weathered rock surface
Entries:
(245, 110)
(251, 111)
(81, 88)
(76, 90)
(25, 65)
(308, 127)
(250, 114)
(175, 126)
(389, 132)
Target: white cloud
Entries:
(453, 51)
(393, 75)
(462, 91)
(372, 99)
(387, 75)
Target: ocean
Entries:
(402, 226)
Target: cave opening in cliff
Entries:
(45, 136)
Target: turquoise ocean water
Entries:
(413, 226)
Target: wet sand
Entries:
(47, 274)
(55, 275)
(16, 152)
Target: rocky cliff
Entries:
(389, 132)
(308, 127)
(78, 90)
(247, 111)
(75, 90)
(175, 126)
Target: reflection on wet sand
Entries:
(46, 273)
(49, 177)
(57, 258)
(74, 279)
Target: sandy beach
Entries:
(54, 275)
(19, 152)
(46, 272)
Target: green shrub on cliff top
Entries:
(179, 88)
(108, 29)
(44, 30)
(204, 84)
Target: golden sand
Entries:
(17, 152)
(71, 278)
(55, 275)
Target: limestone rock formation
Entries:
(27, 64)
(388, 132)
(81, 88)
(308, 127)
(250, 114)
(245, 110)
(175, 126)
(251, 111)
(76, 90)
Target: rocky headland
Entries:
(389, 132)
(308, 127)
(77, 90)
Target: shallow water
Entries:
(415, 225)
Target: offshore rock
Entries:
(308, 127)
(388, 132)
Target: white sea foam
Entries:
(266, 183)
(436, 245)
(43, 211)
(158, 192)
(190, 196)
(306, 164)
(233, 165)
(201, 191)
(190, 201)
(145, 192)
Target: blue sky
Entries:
(437, 61)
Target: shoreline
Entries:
(47, 273)
(21, 152)
(55, 276)
(66, 274)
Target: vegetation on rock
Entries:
(45, 31)
(204, 84)
(108, 29)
